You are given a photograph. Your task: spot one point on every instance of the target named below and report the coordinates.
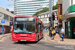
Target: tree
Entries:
(46, 9)
(55, 6)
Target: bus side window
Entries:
(38, 27)
(41, 27)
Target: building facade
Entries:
(66, 4)
(27, 8)
(68, 19)
(8, 17)
(44, 17)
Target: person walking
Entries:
(62, 34)
(56, 29)
(11, 30)
(52, 31)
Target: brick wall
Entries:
(59, 13)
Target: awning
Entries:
(68, 16)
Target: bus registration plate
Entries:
(23, 40)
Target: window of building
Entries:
(11, 18)
(47, 21)
(38, 16)
(42, 16)
(1, 15)
(44, 21)
(46, 15)
(6, 17)
(56, 13)
(71, 2)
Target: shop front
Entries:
(69, 22)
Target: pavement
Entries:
(57, 39)
(3, 36)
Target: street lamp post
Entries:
(51, 2)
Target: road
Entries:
(8, 44)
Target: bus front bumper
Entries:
(24, 39)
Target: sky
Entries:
(9, 4)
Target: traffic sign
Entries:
(2, 21)
(55, 16)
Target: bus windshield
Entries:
(24, 25)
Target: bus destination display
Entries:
(24, 19)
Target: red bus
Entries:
(27, 28)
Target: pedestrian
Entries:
(62, 34)
(11, 30)
(52, 31)
(46, 28)
(56, 29)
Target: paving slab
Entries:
(57, 39)
(4, 35)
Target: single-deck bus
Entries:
(27, 28)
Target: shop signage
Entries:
(60, 16)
